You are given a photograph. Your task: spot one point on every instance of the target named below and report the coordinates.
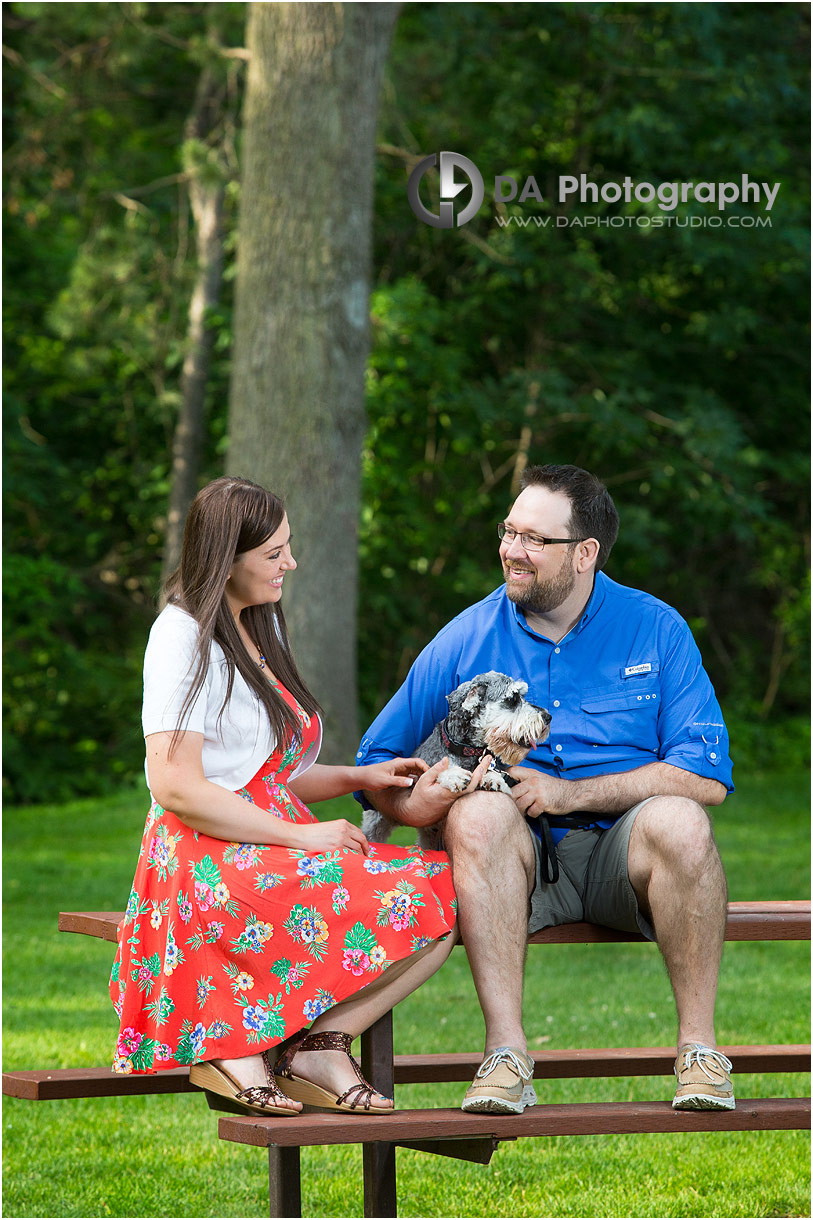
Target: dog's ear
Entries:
(515, 694)
(474, 696)
(467, 696)
(455, 698)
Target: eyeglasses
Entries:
(530, 542)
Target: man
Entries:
(637, 748)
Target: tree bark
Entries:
(206, 194)
(297, 417)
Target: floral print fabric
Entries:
(227, 948)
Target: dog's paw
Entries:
(493, 781)
(455, 778)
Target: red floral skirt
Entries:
(227, 948)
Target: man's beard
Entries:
(540, 596)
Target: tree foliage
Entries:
(670, 361)
(99, 266)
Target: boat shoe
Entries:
(703, 1080)
(503, 1083)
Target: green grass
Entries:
(161, 1156)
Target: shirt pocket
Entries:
(622, 715)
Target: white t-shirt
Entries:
(233, 749)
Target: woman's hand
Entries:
(318, 837)
(395, 773)
(320, 782)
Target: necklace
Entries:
(250, 643)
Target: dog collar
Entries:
(459, 747)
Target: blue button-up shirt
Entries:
(625, 687)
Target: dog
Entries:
(487, 715)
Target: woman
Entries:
(248, 918)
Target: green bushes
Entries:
(673, 362)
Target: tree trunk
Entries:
(301, 314)
(206, 193)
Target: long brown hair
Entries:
(228, 517)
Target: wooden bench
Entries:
(451, 1132)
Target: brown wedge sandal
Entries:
(223, 1092)
(313, 1094)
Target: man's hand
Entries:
(428, 802)
(615, 793)
(537, 793)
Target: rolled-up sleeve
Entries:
(692, 732)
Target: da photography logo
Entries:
(449, 190)
(665, 198)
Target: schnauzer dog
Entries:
(487, 715)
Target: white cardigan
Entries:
(233, 750)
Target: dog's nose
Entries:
(543, 711)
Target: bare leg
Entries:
(331, 1068)
(678, 878)
(494, 869)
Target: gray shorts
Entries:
(593, 883)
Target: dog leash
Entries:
(570, 821)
